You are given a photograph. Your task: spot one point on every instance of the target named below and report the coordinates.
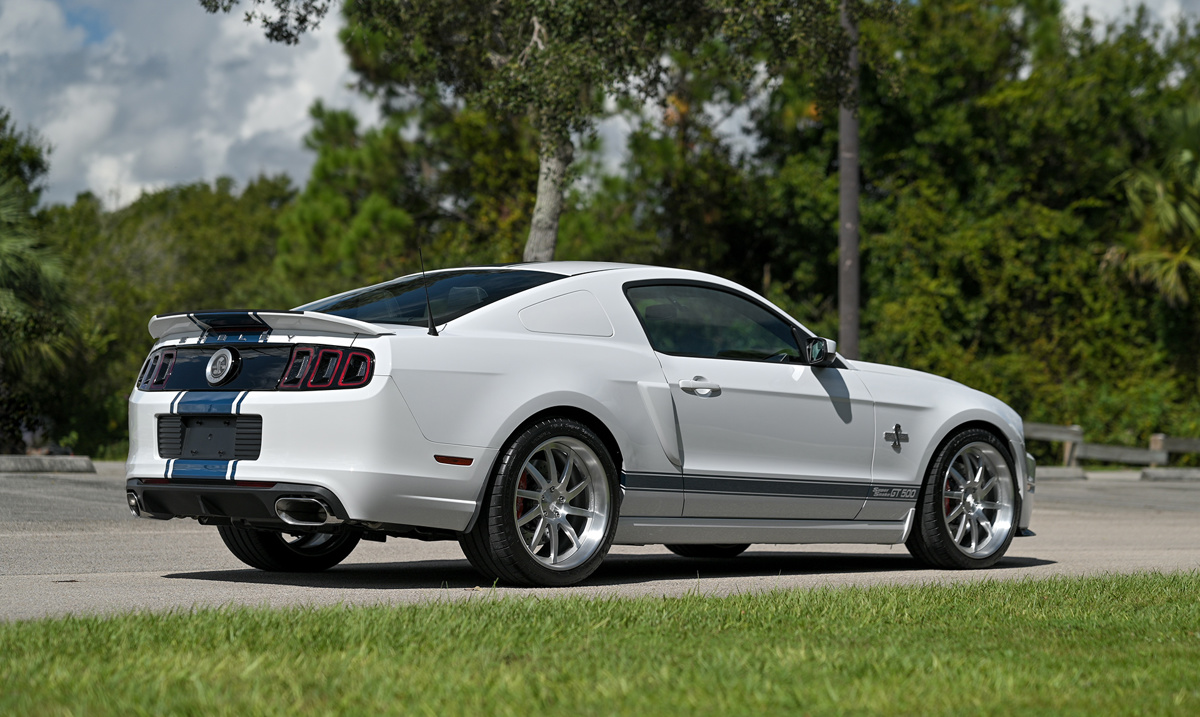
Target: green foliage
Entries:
(24, 159)
(36, 318)
(1165, 201)
(1003, 146)
(185, 248)
(997, 172)
(1097, 645)
(461, 187)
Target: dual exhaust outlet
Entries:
(307, 512)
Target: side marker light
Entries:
(454, 460)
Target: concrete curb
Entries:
(1171, 474)
(46, 464)
(1060, 473)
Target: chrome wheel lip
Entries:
(978, 500)
(562, 503)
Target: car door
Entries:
(763, 435)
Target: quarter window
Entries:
(689, 320)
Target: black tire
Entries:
(275, 552)
(581, 508)
(968, 506)
(714, 550)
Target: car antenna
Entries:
(428, 305)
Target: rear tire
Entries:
(967, 512)
(550, 511)
(276, 552)
(712, 551)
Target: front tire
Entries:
(966, 515)
(301, 553)
(550, 512)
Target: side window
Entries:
(710, 323)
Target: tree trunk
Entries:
(554, 157)
(848, 266)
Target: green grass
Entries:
(1105, 645)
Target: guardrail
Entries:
(1074, 447)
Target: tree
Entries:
(188, 247)
(23, 159)
(1164, 198)
(848, 272)
(36, 317)
(439, 173)
(35, 314)
(553, 61)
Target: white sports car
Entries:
(539, 413)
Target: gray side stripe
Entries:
(719, 485)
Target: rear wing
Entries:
(231, 322)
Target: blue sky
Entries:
(140, 94)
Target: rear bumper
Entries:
(221, 502)
(361, 446)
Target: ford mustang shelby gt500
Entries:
(539, 413)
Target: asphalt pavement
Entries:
(69, 545)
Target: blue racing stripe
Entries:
(238, 406)
(187, 468)
(207, 402)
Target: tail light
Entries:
(297, 368)
(314, 368)
(156, 370)
(325, 368)
(359, 366)
(308, 368)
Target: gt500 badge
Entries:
(902, 493)
(221, 367)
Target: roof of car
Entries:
(573, 268)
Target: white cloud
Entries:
(148, 93)
(34, 27)
(1117, 9)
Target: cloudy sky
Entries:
(140, 94)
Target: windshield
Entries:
(451, 293)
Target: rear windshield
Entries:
(451, 293)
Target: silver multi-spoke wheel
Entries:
(977, 500)
(966, 513)
(561, 505)
(554, 491)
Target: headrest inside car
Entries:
(661, 311)
(462, 297)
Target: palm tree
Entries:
(1165, 201)
(35, 312)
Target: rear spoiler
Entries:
(230, 322)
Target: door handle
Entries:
(700, 386)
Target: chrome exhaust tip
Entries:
(131, 500)
(305, 511)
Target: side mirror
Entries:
(820, 352)
(815, 352)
